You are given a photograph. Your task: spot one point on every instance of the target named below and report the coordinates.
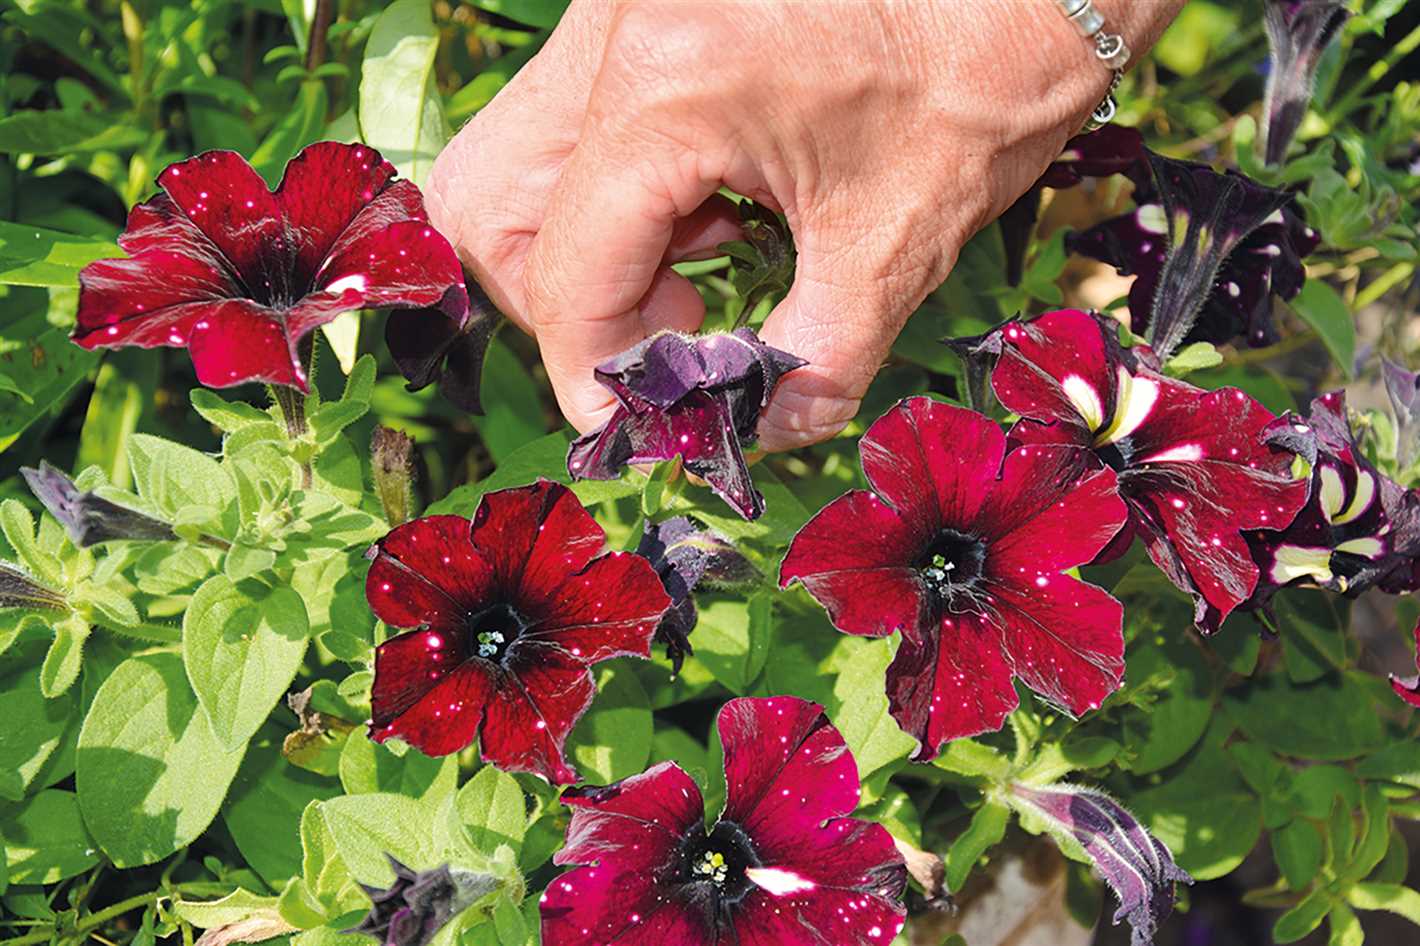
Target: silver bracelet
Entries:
(1109, 47)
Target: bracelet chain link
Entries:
(1110, 48)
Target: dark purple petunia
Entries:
(782, 866)
(1408, 688)
(87, 517)
(696, 397)
(445, 344)
(511, 610)
(963, 548)
(1209, 251)
(18, 589)
(239, 275)
(1358, 529)
(1403, 387)
(685, 556)
(1194, 466)
(420, 903)
(1136, 865)
(1298, 31)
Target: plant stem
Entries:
(316, 41)
(1376, 73)
(133, 33)
(1384, 283)
(144, 631)
(90, 922)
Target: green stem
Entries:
(144, 631)
(1383, 284)
(1376, 73)
(90, 922)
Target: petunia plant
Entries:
(319, 626)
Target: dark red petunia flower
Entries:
(696, 397)
(239, 275)
(1194, 466)
(782, 866)
(1355, 529)
(965, 554)
(687, 556)
(1408, 688)
(1298, 31)
(1209, 251)
(511, 610)
(434, 345)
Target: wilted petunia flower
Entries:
(511, 609)
(1408, 688)
(1355, 529)
(420, 903)
(685, 555)
(1403, 387)
(1209, 251)
(965, 555)
(1194, 466)
(87, 517)
(239, 275)
(696, 397)
(19, 590)
(781, 865)
(1298, 32)
(446, 344)
(1136, 865)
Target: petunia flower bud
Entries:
(1299, 31)
(1403, 386)
(19, 590)
(87, 517)
(685, 557)
(1136, 865)
(419, 903)
(392, 464)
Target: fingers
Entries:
(596, 282)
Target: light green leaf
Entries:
(242, 646)
(299, 127)
(34, 725)
(227, 416)
(173, 477)
(45, 840)
(493, 810)
(1394, 898)
(65, 657)
(613, 740)
(732, 639)
(56, 131)
(366, 828)
(401, 113)
(150, 773)
(235, 906)
(987, 828)
(33, 256)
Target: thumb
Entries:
(842, 315)
(597, 279)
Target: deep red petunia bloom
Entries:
(239, 275)
(782, 866)
(511, 610)
(961, 547)
(1195, 466)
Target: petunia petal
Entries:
(323, 189)
(635, 824)
(406, 263)
(609, 609)
(594, 906)
(533, 537)
(933, 459)
(432, 698)
(240, 341)
(951, 683)
(1408, 688)
(1062, 367)
(537, 702)
(855, 557)
(428, 572)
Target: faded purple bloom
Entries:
(1404, 389)
(1299, 32)
(696, 397)
(1359, 528)
(419, 903)
(686, 556)
(1136, 865)
(87, 517)
(19, 590)
(445, 343)
(1237, 250)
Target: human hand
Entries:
(886, 133)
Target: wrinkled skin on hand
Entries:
(571, 193)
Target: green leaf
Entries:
(401, 113)
(174, 477)
(1330, 719)
(987, 828)
(545, 457)
(543, 13)
(493, 810)
(1324, 310)
(1345, 927)
(299, 127)
(65, 657)
(515, 417)
(264, 808)
(242, 646)
(45, 840)
(227, 416)
(1160, 733)
(613, 740)
(1397, 762)
(150, 773)
(732, 639)
(33, 256)
(58, 131)
(1297, 849)
(34, 726)
(1313, 634)
(1304, 917)
(236, 906)
(368, 767)
(1395, 898)
(1193, 357)
(366, 828)
(18, 527)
